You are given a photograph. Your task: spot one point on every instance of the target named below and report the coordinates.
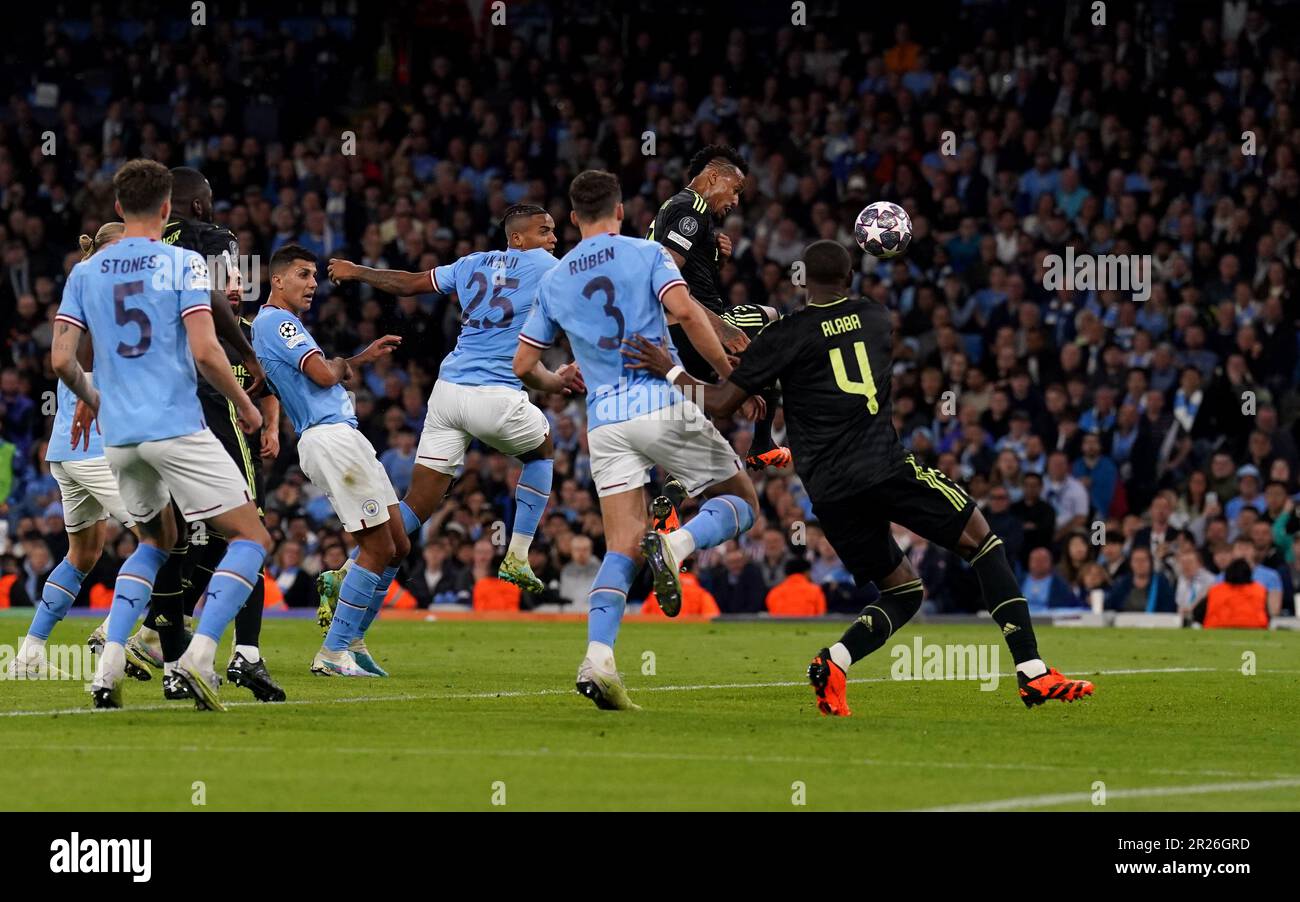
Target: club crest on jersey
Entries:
(688, 226)
(370, 508)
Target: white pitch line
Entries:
(682, 757)
(539, 693)
(1149, 792)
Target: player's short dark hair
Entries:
(285, 257)
(141, 186)
(187, 183)
(706, 155)
(828, 263)
(519, 211)
(594, 194)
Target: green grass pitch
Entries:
(484, 712)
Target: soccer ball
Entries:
(883, 229)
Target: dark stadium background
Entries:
(1119, 138)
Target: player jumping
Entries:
(477, 394)
(689, 225)
(606, 287)
(147, 343)
(333, 454)
(833, 361)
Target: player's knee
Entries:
(83, 558)
(164, 532)
(258, 533)
(746, 515)
(401, 548)
(381, 544)
(544, 451)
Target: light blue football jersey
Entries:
(496, 291)
(60, 447)
(283, 345)
(132, 296)
(608, 288)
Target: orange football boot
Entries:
(776, 457)
(830, 684)
(1051, 685)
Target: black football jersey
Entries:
(834, 365)
(206, 238)
(685, 224)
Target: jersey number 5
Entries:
(867, 386)
(127, 315)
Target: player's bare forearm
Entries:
(732, 338)
(528, 366)
(380, 347)
(63, 359)
(539, 378)
(693, 318)
(706, 341)
(719, 400)
(270, 406)
(389, 281)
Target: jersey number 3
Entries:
(867, 386)
(602, 285)
(125, 316)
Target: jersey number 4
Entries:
(125, 316)
(867, 386)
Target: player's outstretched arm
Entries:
(694, 320)
(716, 400)
(390, 281)
(63, 358)
(329, 373)
(214, 365)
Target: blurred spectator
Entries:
(796, 595)
(1142, 588)
(736, 585)
(1236, 602)
(440, 578)
(1043, 587)
(577, 576)
(1194, 581)
(297, 586)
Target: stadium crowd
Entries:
(1126, 451)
